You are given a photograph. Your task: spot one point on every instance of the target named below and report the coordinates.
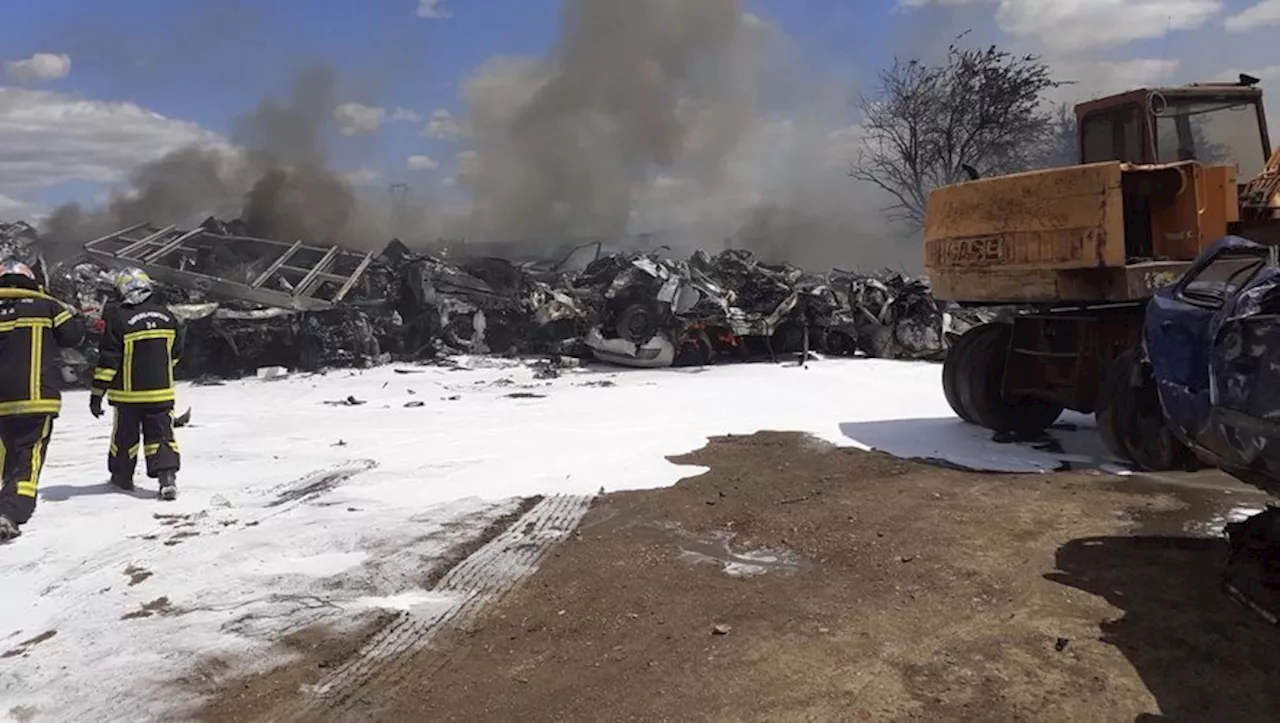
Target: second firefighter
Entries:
(141, 343)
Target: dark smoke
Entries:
(280, 183)
(654, 116)
(691, 120)
(565, 144)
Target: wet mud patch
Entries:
(159, 606)
(137, 575)
(923, 595)
(717, 548)
(25, 646)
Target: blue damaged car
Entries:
(1212, 340)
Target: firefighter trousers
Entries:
(153, 425)
(24, 439)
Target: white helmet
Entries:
(134, 286)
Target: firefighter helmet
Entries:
(134, 286)
(14, 273)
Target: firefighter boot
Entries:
(123, 482)
(8, 529)
(168, 485)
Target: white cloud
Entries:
(1266, 12)
(422, 163)
(39, 68)
(362, 176)
(406, 115)
(431, 9)
(1093, 79)
(357, 118)
(48, 138)
(354, 118)
(1090, 24)
(449, 181)
(442, 125)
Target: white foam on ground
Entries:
(250, 563)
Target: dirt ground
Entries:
(894, 591)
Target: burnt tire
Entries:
(979, 376)
(637, 323)
(1131, 421)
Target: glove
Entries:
(95, 404)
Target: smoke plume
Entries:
(690, 119)
(277, 179)
(694, 121)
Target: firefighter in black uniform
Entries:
(32, 327)
(141, 343)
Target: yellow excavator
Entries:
(1162, 174)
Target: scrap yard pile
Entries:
(251, 303)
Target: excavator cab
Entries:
(1212, 123)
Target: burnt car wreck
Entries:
(252, 302)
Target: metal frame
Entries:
(154, 250)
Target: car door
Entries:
(1245, 373)
(1179, 329)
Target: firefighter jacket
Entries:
(140, 346)
(32, 327)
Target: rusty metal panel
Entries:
(1060, 218)
(293, 275)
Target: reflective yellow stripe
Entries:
(27, 487)
(37, 342)
(62, 317)
(37, 406)
(127, 364)
(150, 396)
(32, 323)
(103, 375)
(151, 449)
(2, 453)
(149, 334)
(173, 444)
(27, 294)
(133, 451)
(115, 427)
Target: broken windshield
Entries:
(1211, 131)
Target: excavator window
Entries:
(1213, 131)
(1113, 134)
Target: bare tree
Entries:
(982, 109)
(1060, 147)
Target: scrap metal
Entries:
(253, 303)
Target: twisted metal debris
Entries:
(248, 305)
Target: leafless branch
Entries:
(983, 108)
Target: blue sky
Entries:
(208, 61)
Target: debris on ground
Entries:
(265, 307)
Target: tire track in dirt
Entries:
(482, 579)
